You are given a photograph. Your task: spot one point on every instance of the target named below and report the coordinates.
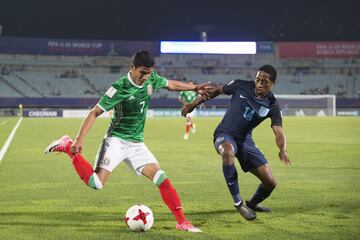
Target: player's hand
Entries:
(188, 108)
(284, 157)
(209, 91)
(208, 94)
(203, 87)
(76, 147)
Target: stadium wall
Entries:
(53, 107)
(12, 102)
(81, 113)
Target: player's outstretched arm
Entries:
(206, 95)
(281, 143)
(77, 146)
(175, 85)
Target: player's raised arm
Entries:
(175, 85)
(281, 143)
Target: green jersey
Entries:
(130, 103)
(188, 96)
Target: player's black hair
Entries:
(142, 58)
(269, 70)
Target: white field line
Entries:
(8, 141)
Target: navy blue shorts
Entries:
(248, 155)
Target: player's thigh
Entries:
(226, 146)
(111, 153)
(139, 157)
(250, 157)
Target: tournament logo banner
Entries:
(74, 47)
(319, 49)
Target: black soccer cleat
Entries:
(258, 207)
(246, 212)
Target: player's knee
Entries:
(270, 185)
(159, 177)
(227, 154)
(227, 161)
(95, 182)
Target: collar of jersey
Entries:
(132, 82)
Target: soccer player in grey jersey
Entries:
(129, 97)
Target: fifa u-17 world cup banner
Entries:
(319, 49)
(74, 47)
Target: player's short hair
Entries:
(269, 70)
(142, 58)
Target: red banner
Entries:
(319, 49)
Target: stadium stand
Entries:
(293, 83)
(39, 76)
(49, 80)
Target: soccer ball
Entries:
(139, 218)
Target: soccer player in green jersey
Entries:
(124, 141)
(187, 97)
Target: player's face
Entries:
(263, 84)
(140, 74)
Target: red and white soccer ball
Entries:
(139, 218)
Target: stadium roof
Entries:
(225, 20)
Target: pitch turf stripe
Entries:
(9, 139)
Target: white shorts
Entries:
(192, 114)
(114, 150)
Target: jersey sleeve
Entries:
(231, 87)
(275, 115)
(113, 96)
(159, 81)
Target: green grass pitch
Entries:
(317, 197)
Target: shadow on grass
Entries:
(105, 224)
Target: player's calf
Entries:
(82, 167)
(260, 195)
(172, 200)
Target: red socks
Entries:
(167, 191)
(82, 167)
(188, 126)
(172, 200)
